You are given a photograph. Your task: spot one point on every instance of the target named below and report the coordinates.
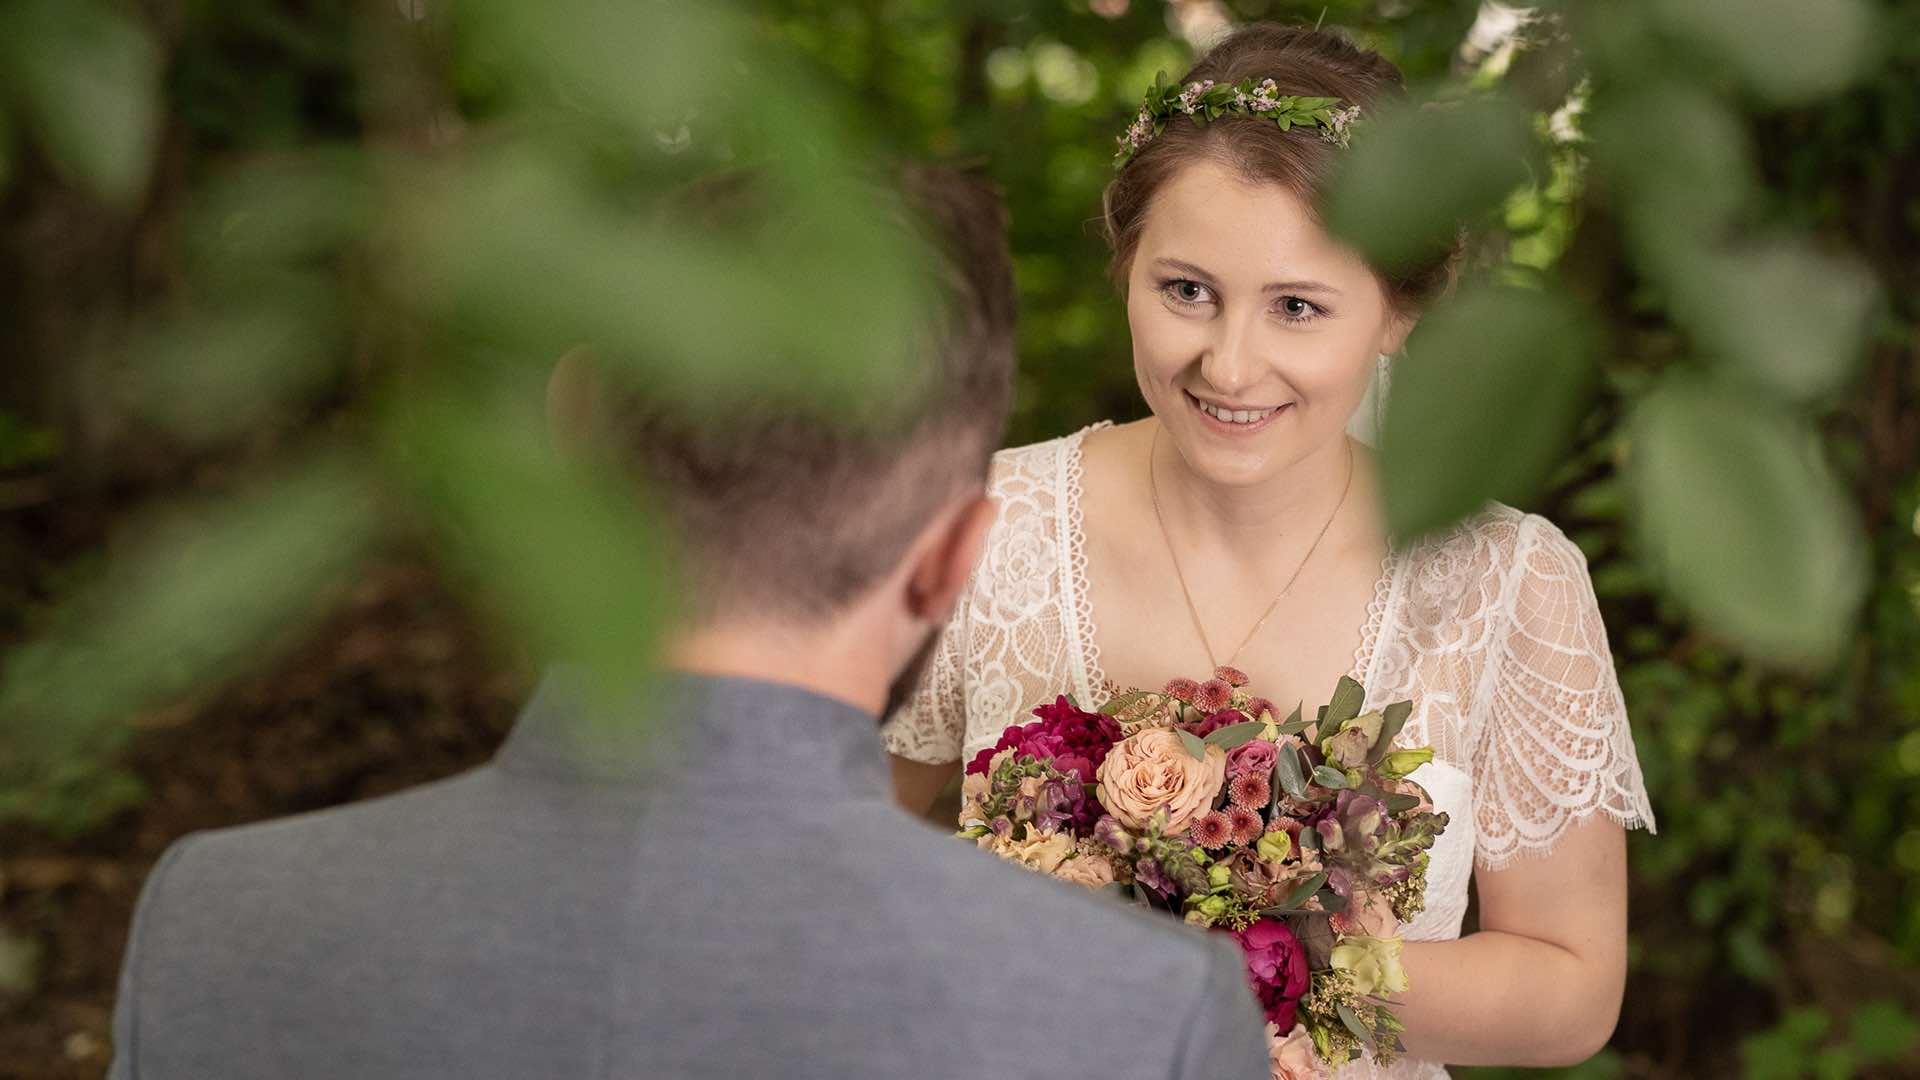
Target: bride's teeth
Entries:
(1242, 417)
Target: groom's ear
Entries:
(947, 556)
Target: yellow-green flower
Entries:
(1401, 762)
(1274, 847)
(1373, 963)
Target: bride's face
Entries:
(1254, 331)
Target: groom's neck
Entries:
(834, 661)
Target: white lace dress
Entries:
(1491, 629)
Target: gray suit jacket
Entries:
(743, 900)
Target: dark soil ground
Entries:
(398, 687)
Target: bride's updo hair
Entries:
(1303, 62)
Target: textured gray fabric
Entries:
(744, 902)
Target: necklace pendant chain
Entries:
(1193, 610)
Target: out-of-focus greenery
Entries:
(1690, 334)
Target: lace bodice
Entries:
(1491, 629)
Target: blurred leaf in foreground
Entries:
(1749, 527)
(1483, 403)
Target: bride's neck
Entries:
(1249, 518)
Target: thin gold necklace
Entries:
(1153, 493)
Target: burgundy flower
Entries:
(1182, 689)
(1073, 740)
(1212, 696)
(1258, 756)
(1246, 824)
(1260, 706)
(1251, 790)
(1232, 676)
(1215, 722)
(1213, 830)
(1276, 968)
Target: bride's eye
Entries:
(1294, 309)
(1184, 293)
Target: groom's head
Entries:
(794, 522)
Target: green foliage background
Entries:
(1732, 230)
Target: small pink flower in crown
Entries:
(1339, 125)
(1264, 96)
(1190, 97)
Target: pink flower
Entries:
(1152, 771)
(1182, 690)
(1260, 706)
(1246, 824)
(1074, 740)
(1213, 831)
(1292, 1055)
(1250, 789)
(1258, 756)
(1212, 696)
(1089, 870)
(1232, 676)
(1276, 968)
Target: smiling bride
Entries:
(1240, 525)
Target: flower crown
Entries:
(1207, 101)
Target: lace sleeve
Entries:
(1556, 746)
(933, 722)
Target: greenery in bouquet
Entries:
(1305, 838)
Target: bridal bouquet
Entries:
(1304, 839)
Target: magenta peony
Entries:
(1074, 740)
(1276, 968)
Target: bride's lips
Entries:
(1216, 424)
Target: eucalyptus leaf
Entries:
(1120, 704)
(1236, 735)
(1392, 719)
(1193, 744)
(1331, 901)
(1352, 1021)
(1348, 698)
(1293, 779)
(1502, 377)
(1329, 777)
(1745, 521)
(1303, 891)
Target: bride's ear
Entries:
(947, 557)
(1398, 328)
(572, 390)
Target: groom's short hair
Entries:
(782, 510)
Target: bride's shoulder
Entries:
(1039, 467)
(1495, 545)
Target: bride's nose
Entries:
(1232, 362)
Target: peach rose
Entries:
(1038, 851)
(973, 792)
(1089, 870)
(1153, 771)
(1293, 1057)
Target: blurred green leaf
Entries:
(1788, 51)
(517, 250)
(213, 375)
(1482, 405)
(568, 556)
(1882, 1031)
(1745, 520)
(90, 77)
(201, 591)
(1700, 180)
(1780, 314)
(1468, 155)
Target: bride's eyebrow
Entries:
(1295, 286)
